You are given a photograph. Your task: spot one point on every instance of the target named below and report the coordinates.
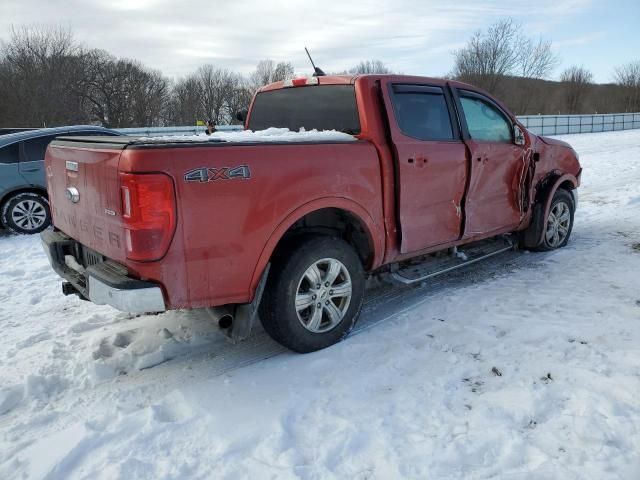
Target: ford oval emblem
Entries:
(72, 194)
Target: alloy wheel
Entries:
(29, 214)
(558, 224)
(323, 295)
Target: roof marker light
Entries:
(300, 82)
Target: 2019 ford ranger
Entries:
(431, 168)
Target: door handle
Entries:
(30, 170)
(418, 161)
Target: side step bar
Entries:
(417, 271)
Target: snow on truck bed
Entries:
(270, 135)
(522, 367)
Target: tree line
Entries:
(47, 78)
(506, 63)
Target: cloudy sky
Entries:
(413, 37)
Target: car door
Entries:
(431, 164)
(492, 203)
(32, 159)
(10, 177)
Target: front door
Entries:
(497, 167)
(431, 164)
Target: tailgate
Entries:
(84, 192)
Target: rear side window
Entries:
(35, 148)
(323, 107)
(422, 112)
(10, 153)
(484, 121)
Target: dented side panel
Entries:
(494, 200)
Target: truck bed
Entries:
(239, 211)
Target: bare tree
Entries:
(502, 51)
(185, 107)
(40, 70)
(576, 85)
(122, 93)
(148, 94)
(535, 58)
(240, 97)
(628, 77)
(216, 86)
(488, 56)
(267, 71)
(370, 66)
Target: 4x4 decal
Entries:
(204, 174)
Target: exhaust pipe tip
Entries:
(225, 321)
(223, 315)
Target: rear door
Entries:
(431, 163)
(32, 159)
(497, 165)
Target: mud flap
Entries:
(245, 314)
(532, 236)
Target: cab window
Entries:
(484, 121)
(422, 112)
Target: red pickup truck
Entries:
(286, 231)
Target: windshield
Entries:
(324, 107)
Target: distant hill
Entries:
(529, 96)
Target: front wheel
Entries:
(26, 213)
(559, 221)
(314, 294)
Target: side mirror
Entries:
(241, 115)
(518, 136)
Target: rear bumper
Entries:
(105, 283)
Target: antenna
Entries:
(317, 72)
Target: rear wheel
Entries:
(314, 294)
(26, 213)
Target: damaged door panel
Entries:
(498, 167)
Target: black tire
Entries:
(560, 197)
(278, 313)
(26, 213)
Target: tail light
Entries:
(149, 214)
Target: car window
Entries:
(423, 115)
(35, 148)
(484, 121)
(323, 107)
(10, 153)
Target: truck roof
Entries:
(350, 78)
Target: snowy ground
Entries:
(526, 366)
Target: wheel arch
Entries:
(297, 222)
(546, 189)
(22, 189)
(9, 194)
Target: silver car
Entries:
(24, 207)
